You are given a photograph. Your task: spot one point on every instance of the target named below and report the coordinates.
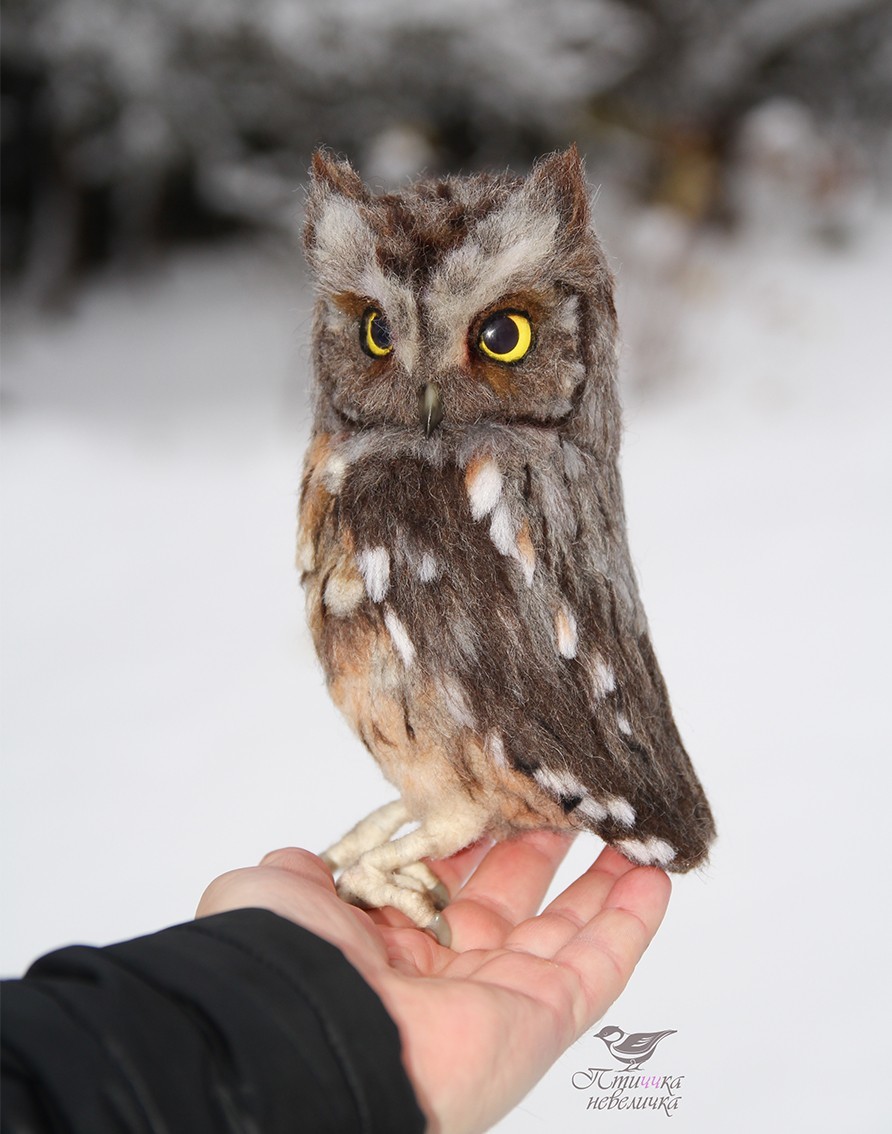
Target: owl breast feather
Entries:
(479, 604)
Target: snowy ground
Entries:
(164, 719)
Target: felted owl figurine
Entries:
(462, 536)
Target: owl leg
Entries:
(372, 831)
(379, 877)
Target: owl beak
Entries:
(430, 407)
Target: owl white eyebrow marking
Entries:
(399, 635)
(483, 480)
(511, 245)
(345, 260)
(400, 306)
(567, 635)
(645, 852)
(374, 566)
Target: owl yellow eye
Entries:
(374, 334)
(506, 336)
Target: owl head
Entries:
(461, 302)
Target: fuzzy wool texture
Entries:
(471, 594)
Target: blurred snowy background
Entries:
(163, 715)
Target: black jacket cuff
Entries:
(240, 1021)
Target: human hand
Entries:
(480, 1022)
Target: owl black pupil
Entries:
(501, 334)
(379, 332)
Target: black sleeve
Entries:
(238, 1022)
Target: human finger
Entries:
(273, 884)
(455, 871)
(605, 950)
(297, 860)
(562, 918)
(507, 887)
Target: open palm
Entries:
(482, 1021)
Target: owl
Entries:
(462, 537)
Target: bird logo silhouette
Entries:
(634, 1049)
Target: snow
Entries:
(759, 30)
(164, 718)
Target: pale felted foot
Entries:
(393, 875)
(375, 829)
(420, 872)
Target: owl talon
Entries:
(438, 927)
(419, 876)
(440, 896)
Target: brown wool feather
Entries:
(469, 584)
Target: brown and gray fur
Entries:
(470, 590)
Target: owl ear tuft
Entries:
(336, 175)
(338, 239)
(559, 178)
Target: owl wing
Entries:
(509, 575)
(569, 667)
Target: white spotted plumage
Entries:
(566, 631)
(342, 595)
(428, 567)
(484, 485)
(494, 747)
(399, 635)
(374, 566)
(560, 784)
(647, 852)
(502, 530)
(463, 542)
(620, 810)
(603, 677)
